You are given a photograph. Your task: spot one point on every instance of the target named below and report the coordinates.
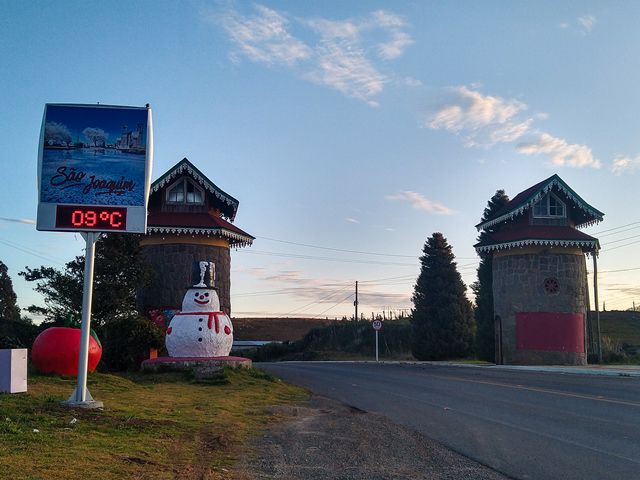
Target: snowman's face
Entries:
(200, 300)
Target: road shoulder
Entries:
(324, 439)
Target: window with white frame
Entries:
(549, 206)
(185, 191)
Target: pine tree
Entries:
(442, 317)
(483, 287)
(9, 309)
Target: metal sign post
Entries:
(377, 325)
(81, 396)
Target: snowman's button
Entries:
(200, 319)
(200, 339)
(200, 329)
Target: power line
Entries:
(620, 246)
(360, 252)
(620, 240)
(335, 292)
(620, 270)
(621, 231)
(616, 228)
(30, 252)
(326, 259)
(334, 306)
(336, 249)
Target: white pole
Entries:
(376, 345)
(81, 395)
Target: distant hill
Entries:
(621, 326)
(276, 329)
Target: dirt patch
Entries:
(324, 439)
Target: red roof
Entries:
(192, 220)
(543, 233)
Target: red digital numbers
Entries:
(90, 218)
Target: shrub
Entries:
(126, 342)
(17, 333)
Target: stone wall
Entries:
(172, 266)
(518, 286)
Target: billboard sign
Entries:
(94, 168)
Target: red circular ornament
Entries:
(56, 350)
(551, 286)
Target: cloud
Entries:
(285, 276)
(481, 120)
(560, 152)
(264, 38)
(340, 55)
(399, 40)
(26, 221)
(419, 202)
(352, 220)
(344, 67)
(625, 164)
(586, 23)
(582, 25)
(411, 82)
(484, 120)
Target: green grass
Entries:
(155, 426)
(623, 327)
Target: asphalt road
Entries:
(525, 425)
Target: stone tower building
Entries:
(540, 288)
(189, 221)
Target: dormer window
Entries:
(184, 191)
(550, 206)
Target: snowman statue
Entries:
(200, 329)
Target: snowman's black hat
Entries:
(203, 275)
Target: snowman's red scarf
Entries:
(213, 316)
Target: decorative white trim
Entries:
(524, 207)
(550, 243)
(181, 168)
(237, 238)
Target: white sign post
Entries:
(377, 325)
(94, 175)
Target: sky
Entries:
(348, 131)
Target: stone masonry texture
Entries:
(518, 286)
(172, 266)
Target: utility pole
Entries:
(595, 295)
(355, 302)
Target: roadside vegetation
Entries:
(620, 332)
(342, 340)
(153, 426)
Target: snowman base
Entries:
(202, 367)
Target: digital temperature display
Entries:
(91, 218)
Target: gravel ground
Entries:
(324, 439)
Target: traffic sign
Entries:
(377, 325)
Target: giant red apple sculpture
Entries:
(56, 350)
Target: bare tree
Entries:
(96, 136)
(56, 134)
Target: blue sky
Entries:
(359, 126)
